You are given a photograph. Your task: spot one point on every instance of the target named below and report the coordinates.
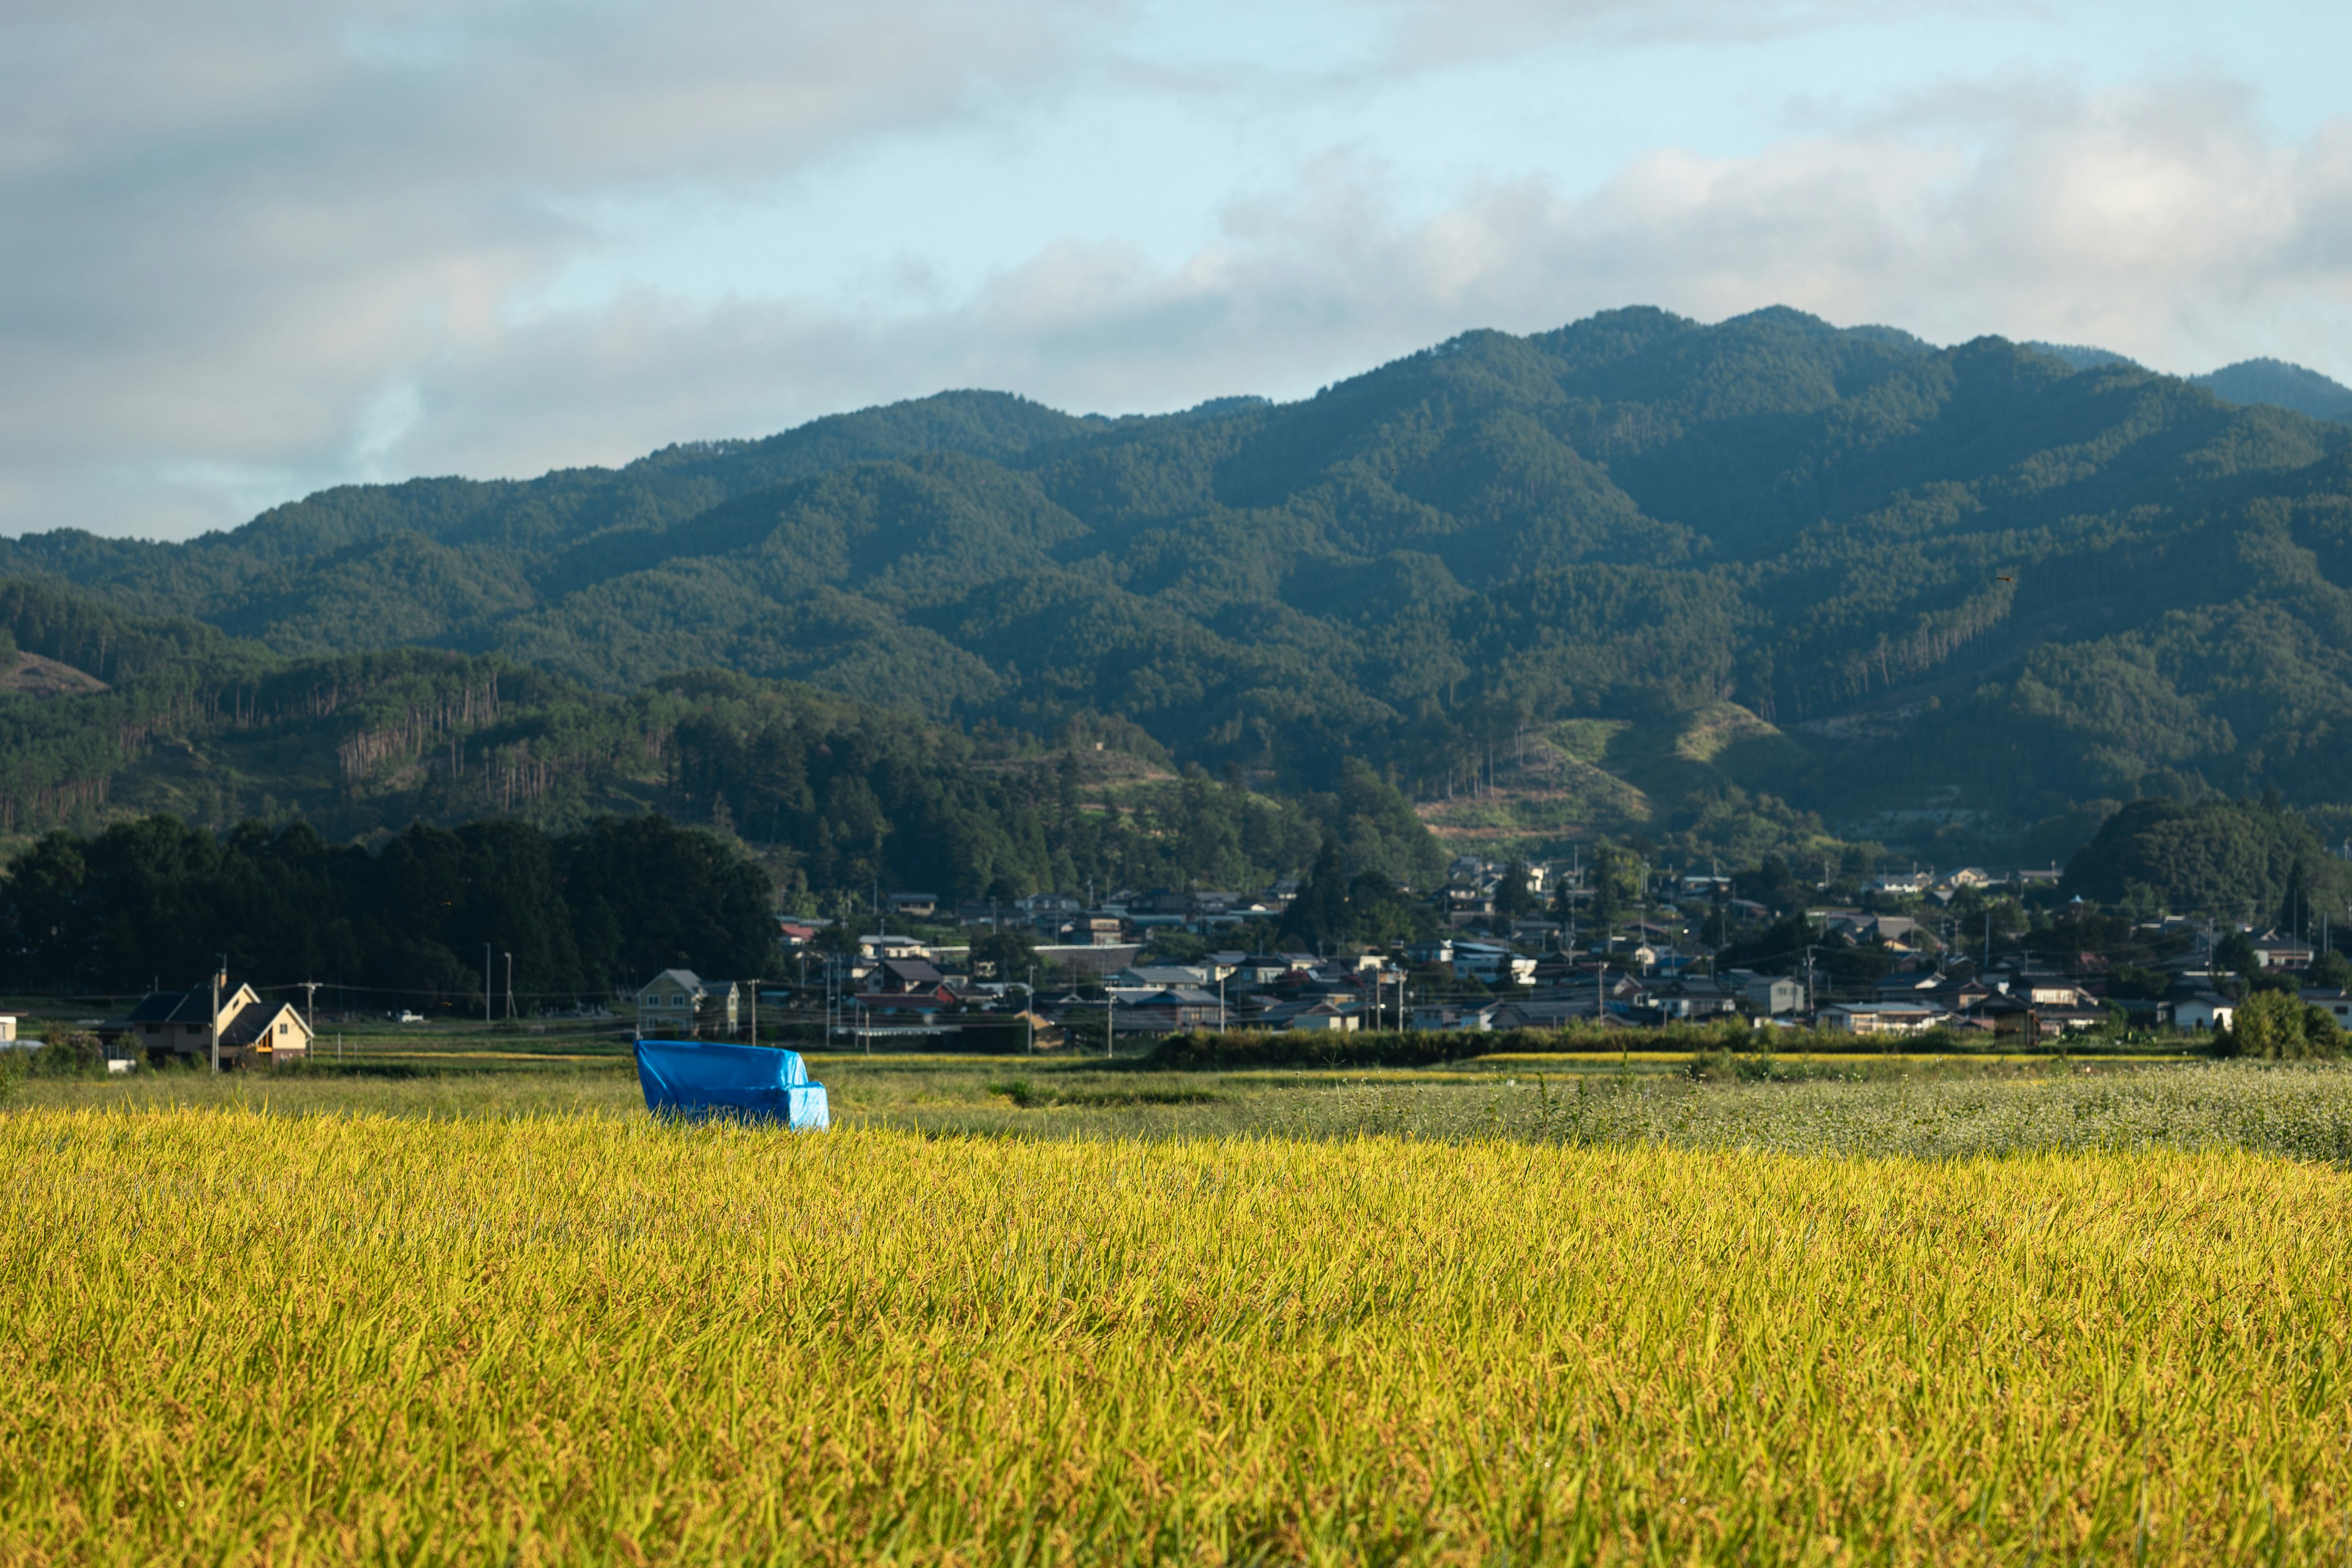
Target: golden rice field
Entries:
(235, 1338)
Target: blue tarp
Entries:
(695, 1079)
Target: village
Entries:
(1911, 954)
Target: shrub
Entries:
(2275, 1025)
(68, 1053)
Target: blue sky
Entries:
(276, 246)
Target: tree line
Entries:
(583, 914)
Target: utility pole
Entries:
(485, 986)
(1110, 1021)
(1029, 1007)
(510, 1007)
(311, 1006)
(219, 975)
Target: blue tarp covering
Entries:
(696, 1079)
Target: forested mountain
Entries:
(833, 794)
(2285, 385)
(1764, 582)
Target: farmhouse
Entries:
(184, 1025)
(678, 1004)
(2206, 1010)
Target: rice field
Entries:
(239, 1336)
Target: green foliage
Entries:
(2273, 1025)
(68, 1053)
(1778, 949)
(1319, 915)
(605, 905)
(2225, 858)
(1007, 954)
(838, 794)
(1961, 595)
(2276, 1026)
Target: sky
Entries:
(255, 248)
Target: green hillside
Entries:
(2286, 385)
(834, 795)
(1962, 595)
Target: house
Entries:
(1168, 1011)
(1425, 954)
(2206, 1010)
(797, 934)
(2272, 950)
(921, 906)
(8, 1028)
(1770, 996)
(1490, 964)
(1261, 968)
(1698, 997)
(1160, 976)
(1448, 1018)
(1320, 1015)
(678, 1005)
(184, 1024)
(2336, 1005)
(1882, 1017)
(907, 974)
(887, 944)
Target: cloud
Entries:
(232, 235)
(1434, 32)
(282, 245)
(2157, 222)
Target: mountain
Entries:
(835, 795)
(2280, 385)
(2082, 356)
(1760, 584)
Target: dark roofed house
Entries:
(909, 974)
(182, 1025)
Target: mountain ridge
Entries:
(1630, 517)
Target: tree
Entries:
(1617, 892)
(2268, 1025)
(2331, 971)
(1513, 897)
(2323, 1036)
(1319, 912)
(1007, 954)
(2234, 954)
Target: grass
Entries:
(1032, 1310)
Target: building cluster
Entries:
(1089, 963)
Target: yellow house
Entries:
(184, 1024)
(678, 1005)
